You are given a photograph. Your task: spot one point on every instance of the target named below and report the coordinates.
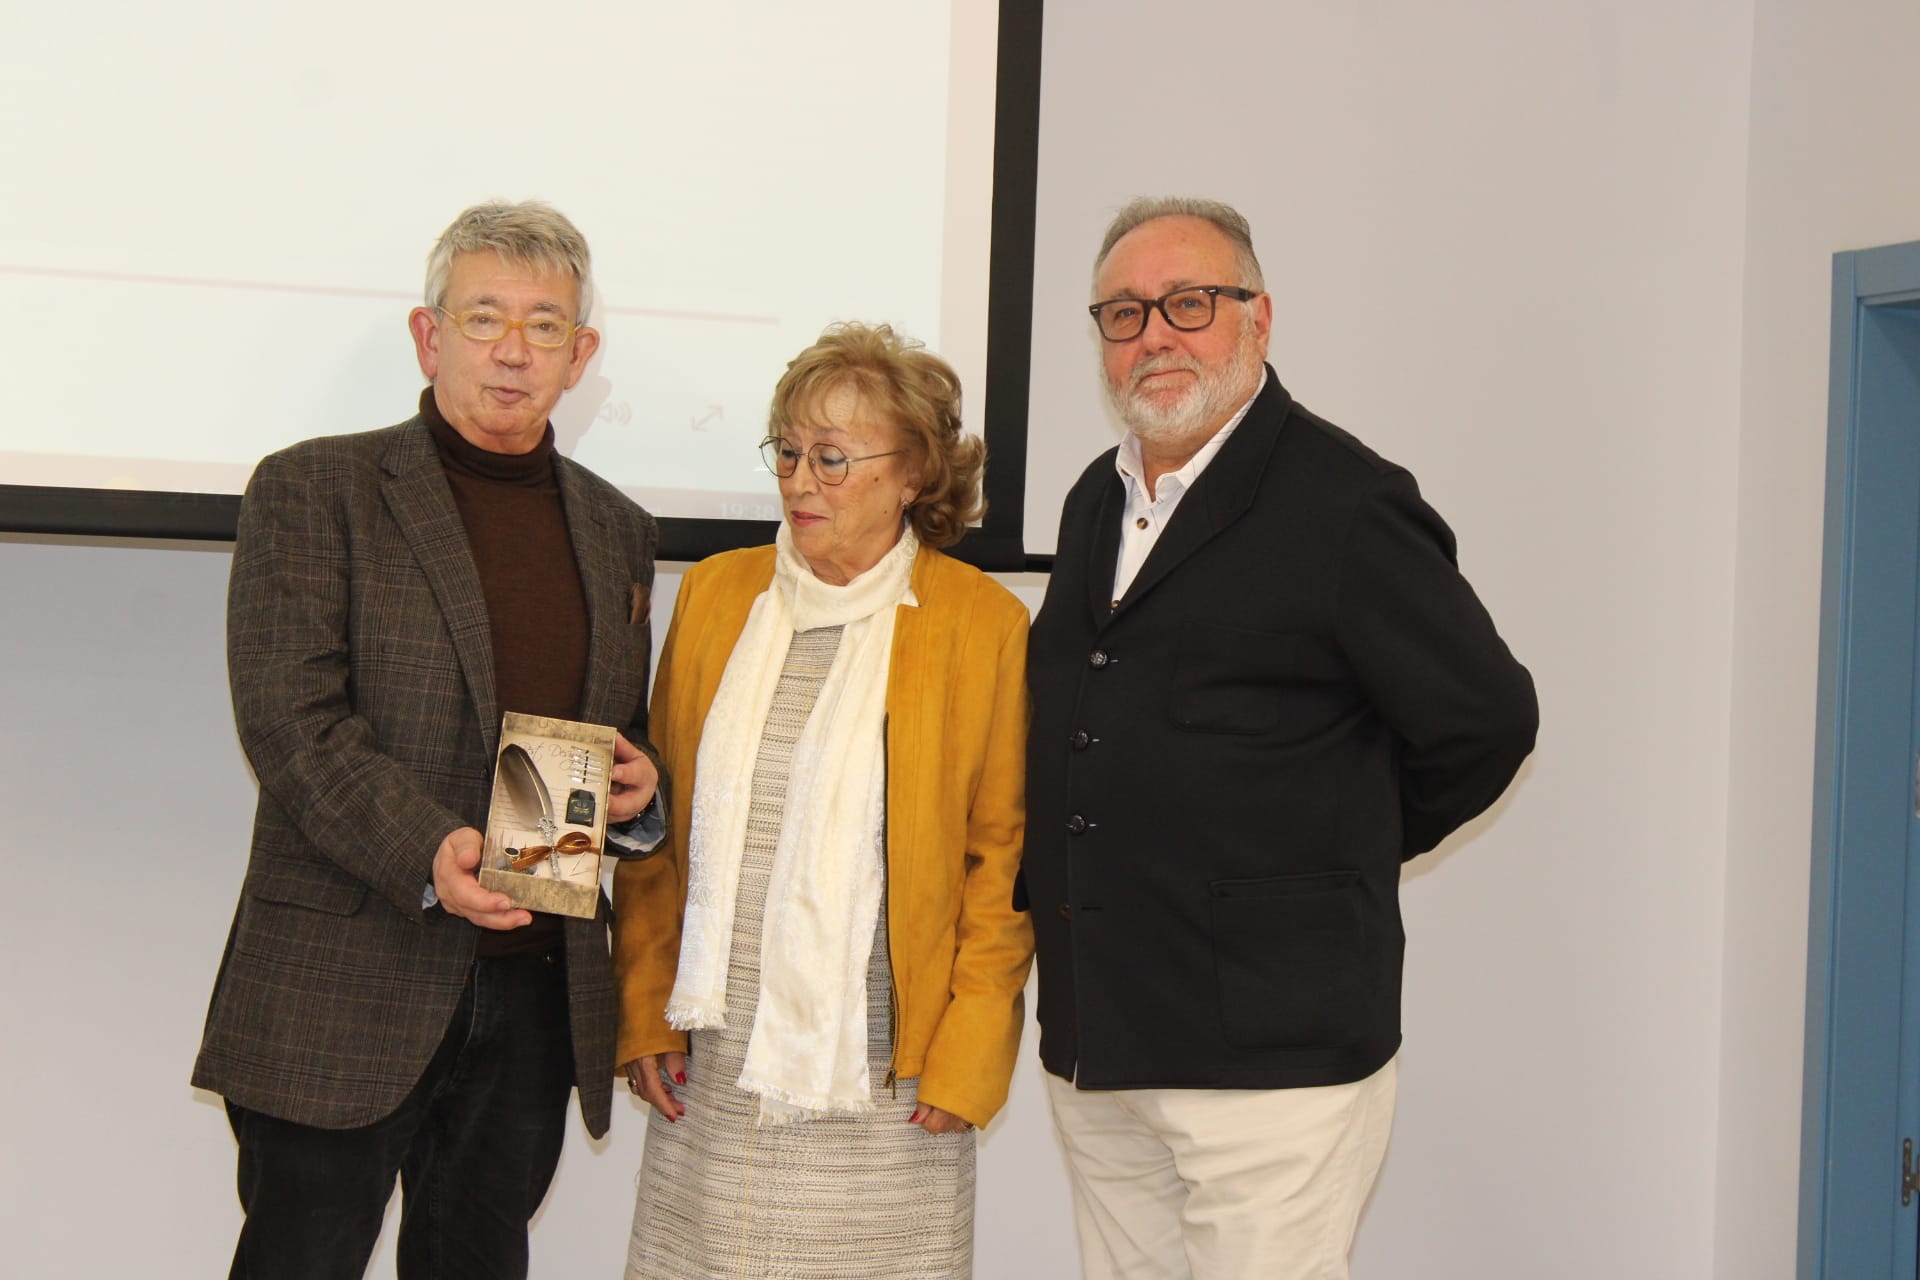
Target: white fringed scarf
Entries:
(807, 1054)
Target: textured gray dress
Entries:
(837, 1198)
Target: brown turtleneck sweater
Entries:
(517, 529)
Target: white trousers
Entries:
(1221, 1184)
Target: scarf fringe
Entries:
(780, 1106)
(685, 1018)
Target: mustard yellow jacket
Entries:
(956, 742)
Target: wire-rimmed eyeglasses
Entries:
(1123, 319)
(829, 464)
(491, 326)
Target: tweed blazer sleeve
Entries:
(289, 663)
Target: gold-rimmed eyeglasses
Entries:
(1123, 319)
(491, 326)
(830, 465)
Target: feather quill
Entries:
(528, 790)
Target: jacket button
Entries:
(1066, 912)
(1076, 825)
(1098, 658)
(1079, 740)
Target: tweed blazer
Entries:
(1227, 767)
(361, 663)
(956, 722)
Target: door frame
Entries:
(1854, 1109)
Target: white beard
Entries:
(1207, 402)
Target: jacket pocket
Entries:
(1290, 960)
(299, 885)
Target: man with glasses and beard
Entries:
(378, 1012)
(1259, 685)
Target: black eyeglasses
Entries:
(1123, 319)
(830, 465)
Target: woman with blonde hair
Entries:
(842, 716)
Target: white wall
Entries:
(1835, 125)
(1504, 241)
(1518, 247)
(130, 806)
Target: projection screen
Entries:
(220, 215)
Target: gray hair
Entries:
(1223, 217)
(529, 234)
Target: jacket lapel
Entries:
(417, 494)
(1103, 550)
(1219, 497)
(604, 580)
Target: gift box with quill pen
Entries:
(548, 820)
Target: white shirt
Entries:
(1146, 517)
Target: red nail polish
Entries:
(679, 1077)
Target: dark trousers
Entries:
(474, 1146)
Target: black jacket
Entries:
(1297, 693)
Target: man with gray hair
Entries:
(1259, 684)
(379, 1014)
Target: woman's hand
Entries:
(934, 1120)
(648, 1078)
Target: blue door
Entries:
(1860, 1210)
